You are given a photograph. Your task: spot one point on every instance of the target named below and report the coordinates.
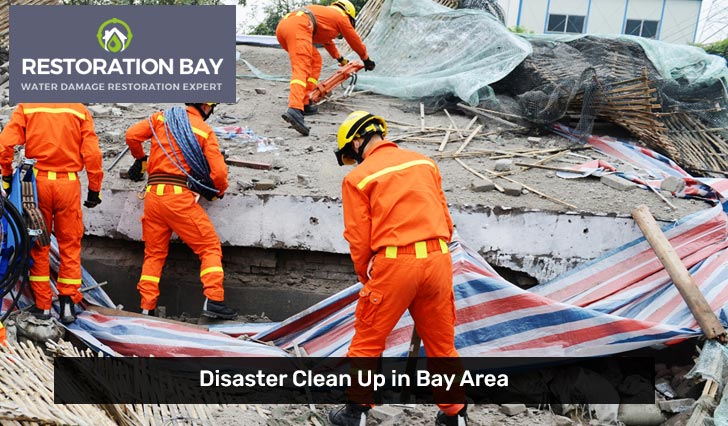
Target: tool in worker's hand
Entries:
(118, 158)
(324, 88)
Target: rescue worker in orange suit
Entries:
(297, 32)
(62, 140)
(169, 206)
(398, 228)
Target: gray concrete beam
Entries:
(316, 223)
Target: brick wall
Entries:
(250, 273)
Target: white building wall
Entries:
(678, 21)
(606, 17)
(510, 8)
(533, 15)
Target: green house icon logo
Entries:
(114, 35)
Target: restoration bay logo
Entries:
(86, 54)
(114, 35)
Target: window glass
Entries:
(557, 23)
(575, 24)
(633, 27)
(649, 29)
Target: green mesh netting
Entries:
(423, 49)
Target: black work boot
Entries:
(40, 313)
(310, 109)
(294, 117)
(68, 314)
(460, 419)
(349, 415)
(213, 309)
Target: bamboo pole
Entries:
(470, 138)
(679, 274)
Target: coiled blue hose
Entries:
(177, 123)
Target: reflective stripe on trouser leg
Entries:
(313, 74)
(41, 286)
(433, 312)
(156, 234)
(68, 227)
(188, 220)
(295, 35)
(212, 278)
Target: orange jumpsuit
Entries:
(173, 208)
(62, 139)
(397, 224)
(296, 35)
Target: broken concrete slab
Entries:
(503, 165)
(385, 413)
(483, 185)
(99, 110)
(672, 184)
(640, 415)
(676, 405)
(511, 188)
(264, 184)
(124, 106)
(512, 409)
(619, 183)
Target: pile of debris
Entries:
(668, 97)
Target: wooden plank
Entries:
(239, 162)
(470, 138)
(699, 307)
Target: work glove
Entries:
(7, 184)
(137, 170)
(369, 64)
(216, 197)
(342, 61)
(93, 199)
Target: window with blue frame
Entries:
(565, 24)
(638, 27)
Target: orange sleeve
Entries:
(357, 227)
(91, 154)
(12, 135)
(445, 210)
(353, 39)
(330, 47)
(218, 168)
(137, 134)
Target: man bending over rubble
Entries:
(62, 140)
(179, 136)
(398, 228)
(297, 32)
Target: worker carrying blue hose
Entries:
(184, 161)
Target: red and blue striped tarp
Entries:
(494, 317)
(653, 163)
(621, 301)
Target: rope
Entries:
(177, 123)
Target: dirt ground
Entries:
(307, 166)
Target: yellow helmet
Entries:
(347, 6)
(357, 124)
